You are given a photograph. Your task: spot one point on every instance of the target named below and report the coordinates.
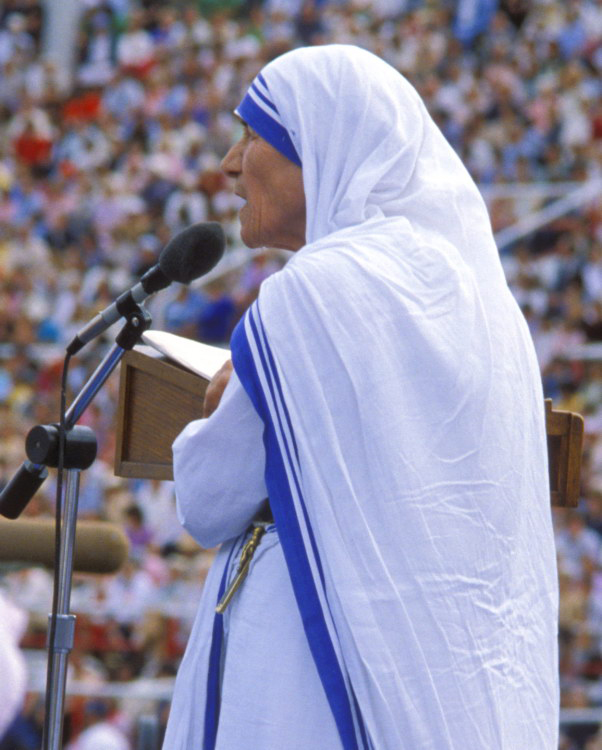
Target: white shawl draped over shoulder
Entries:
(404, 435)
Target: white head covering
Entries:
(406, 449)
(368, 148)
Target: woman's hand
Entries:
(216, 387)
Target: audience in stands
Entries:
(101, 166)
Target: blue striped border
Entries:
(289, 530)
(213, 702)
(264, 99)
(265, 126)
(268, 357)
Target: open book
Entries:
(203, 359)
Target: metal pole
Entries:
(581, 196)
(94, 384)
(65, 622)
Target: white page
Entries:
(203, 359)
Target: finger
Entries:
(216, 388)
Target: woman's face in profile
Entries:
(272, 186)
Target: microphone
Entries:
(99, 547)
(190, 254)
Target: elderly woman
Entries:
(386, 398)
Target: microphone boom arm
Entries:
(137, 323)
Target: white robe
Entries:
(403, 437)
(271, 696)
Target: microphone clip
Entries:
(42, 446)
(138, 321)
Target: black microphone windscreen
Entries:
(193, 252)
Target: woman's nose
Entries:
(232, 161)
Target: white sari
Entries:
(395, 385)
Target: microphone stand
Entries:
(42, 446)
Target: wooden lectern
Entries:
(565, 446)
(157, 399)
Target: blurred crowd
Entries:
(101, 165)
